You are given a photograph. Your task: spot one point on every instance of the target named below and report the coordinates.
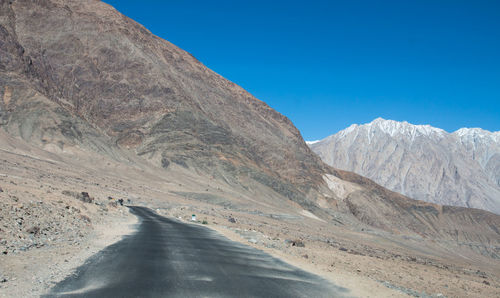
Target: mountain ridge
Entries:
(382, 148)
(393, 126)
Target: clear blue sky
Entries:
(328, 64)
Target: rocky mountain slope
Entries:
(79, 72)
(423, 162)
(79, 79)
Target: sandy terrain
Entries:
(370, 262)
(369, 267)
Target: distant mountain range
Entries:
(423, 162)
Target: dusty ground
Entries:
(43, 190)
(45, 231)
(370, 267)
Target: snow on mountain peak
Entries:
(472, 131)
(473, 134)
(410, 131)
(465, 131)
(346, 131)
(393, 128)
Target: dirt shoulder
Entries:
(358, 286)
(367, 263)
(32, 273)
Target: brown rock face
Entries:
(102, 69)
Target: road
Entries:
(169, 258)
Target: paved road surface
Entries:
(168, 258)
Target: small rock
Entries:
(305, 256)
(298, 243)
(486, 282)
(84, 197)
(33, 230)
(343, 249)
(85, 218)
(231, 219)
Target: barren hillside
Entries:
(421, 161)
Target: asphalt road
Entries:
(168, 258)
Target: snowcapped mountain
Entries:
(423, 162)
(393, 128)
